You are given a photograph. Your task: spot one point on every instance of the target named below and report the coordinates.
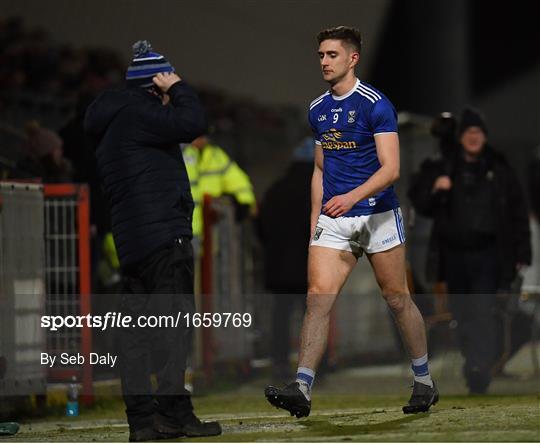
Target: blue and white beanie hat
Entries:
(145, 65)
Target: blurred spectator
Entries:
(482, 234)
(31, 61)
(44, 155)
(211, 171)
(285, 246)
(531, 279)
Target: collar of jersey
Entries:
(347, 94)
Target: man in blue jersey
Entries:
(354, 210)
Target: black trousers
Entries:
(162, 285)
(472, 278)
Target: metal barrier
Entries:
(226, 282)
(67, 269)
(22, 289)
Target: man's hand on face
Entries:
(164, 80)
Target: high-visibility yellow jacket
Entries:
(211, 171)
(109, 250)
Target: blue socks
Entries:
(421, 371)
(305, 375)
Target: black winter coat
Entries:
(513, 236)
(141, 166)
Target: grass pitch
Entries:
(357, 404)
(248, 418)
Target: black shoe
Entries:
(150, 434)
(190, 426)
(422, 398)
(291, 398)
(211, 428)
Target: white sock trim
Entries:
(306, 371)
(305, 389)
(420, 361)
(424, 380)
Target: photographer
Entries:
(480, 238)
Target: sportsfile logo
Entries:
(331, 141)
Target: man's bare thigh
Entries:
(389, 268)
(328, 269)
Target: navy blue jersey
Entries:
(345, 126)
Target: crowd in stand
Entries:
(33, 63)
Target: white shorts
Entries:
(372, 233)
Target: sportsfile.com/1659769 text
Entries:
(118, 320)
